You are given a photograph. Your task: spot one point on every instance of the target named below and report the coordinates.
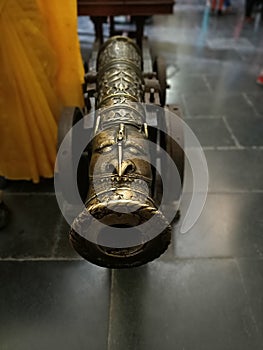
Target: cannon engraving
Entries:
(121, 199)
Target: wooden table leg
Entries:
(139, 20)
(98, 22)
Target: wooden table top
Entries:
(124, 7)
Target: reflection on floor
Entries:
(206, 291)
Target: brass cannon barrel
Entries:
(114, 230)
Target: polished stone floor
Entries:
(206, 291)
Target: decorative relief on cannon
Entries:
(119, 204)
(119, 73)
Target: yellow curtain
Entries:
(40, 72)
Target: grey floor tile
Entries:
(210, 132)
(232, 170)
(225, 43)
(34, 226)
(217, 104)
(62, 247)
(173, 96)
(223, 55)
(229, 226)
(256, 100)
(187, 305)
(226, 83)
(196, 65)
(251, 57)
(53, 305)
(200, 104)
(251, 272)
(249, 132)
(192, 84)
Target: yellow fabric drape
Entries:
(61, 18)
(40, 72)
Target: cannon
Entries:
(118, 179)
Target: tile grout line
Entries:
(41, 258)
(250, 103)
(202, 116)
(226, 192)
(207, 258)
(109, 335)
(220, 148)
(20, 193)
(174, 259)
(232, 148)
(207, 84)
(247, 297)
(234, 138)
(58, 235)
(185, 105)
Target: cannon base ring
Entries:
(96, 255)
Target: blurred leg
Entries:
(213, 4)
(248, 8)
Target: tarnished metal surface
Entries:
(120, 173)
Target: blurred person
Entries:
(227, 4)
(249, 4)
(41, 71)
(229, 8)
(217, 6)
